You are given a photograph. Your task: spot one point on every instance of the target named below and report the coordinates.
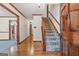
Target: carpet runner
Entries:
(52, 39)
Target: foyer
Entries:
(28, 29)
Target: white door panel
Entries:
(36, 27)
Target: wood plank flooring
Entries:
(30, 48)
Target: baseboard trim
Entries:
(24, 40)
(37, 41)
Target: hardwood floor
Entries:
(30, 48)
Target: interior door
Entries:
(13, 29)
(36, 27)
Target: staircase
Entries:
(52, 39)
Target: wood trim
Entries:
(74, 10)
(54, 18)
(9, 31)
(69, 44)
(30, 27)
(37, 14)
(8, 9)
(61, 46)
(63, 8)
(17, 10)
(7, 16)
(58, 34)
(4, 31)
(43, 33)
(69, 16)
(37, 41)
(54, 26)
(18, 32)
(17, 19)
(24, 40)
(47, 9)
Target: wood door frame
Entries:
(10, 28)
(47, 7)
(18, 32)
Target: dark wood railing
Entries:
(54, 18)
(55, 28)
(43, 34)
(52, 22)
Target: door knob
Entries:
(35, 27)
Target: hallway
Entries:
(37, 48)
(28, 47)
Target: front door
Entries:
(36, 27)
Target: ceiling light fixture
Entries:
(39, 5)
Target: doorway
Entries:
(12, 29)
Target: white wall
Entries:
(4, 27)
(55, 10)
(23, 23)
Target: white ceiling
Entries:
(30, 8)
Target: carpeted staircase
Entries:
(52, 39)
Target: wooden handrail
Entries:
(54, 26)
(43, 34)
(56, 31)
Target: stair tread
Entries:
(52, 38)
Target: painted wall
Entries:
(23, 23)
(55, 10)
(4, 28)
